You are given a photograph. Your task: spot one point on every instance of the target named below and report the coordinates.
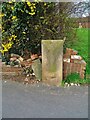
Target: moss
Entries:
(52, 68)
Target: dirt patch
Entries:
(20, 78)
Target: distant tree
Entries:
(80, 9)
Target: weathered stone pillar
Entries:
(52, 61)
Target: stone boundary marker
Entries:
(52, 61)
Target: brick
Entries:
(74, 52)
(68, 53)
(76, 65)
(82, 76)
(83, 63)
(13, 58)
(34, 56)
(76, 57)
(66, 60)
(71, 60)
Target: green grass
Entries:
(81, 45)
(75, 78)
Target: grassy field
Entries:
(81, 45)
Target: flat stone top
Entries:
(51, 41)
(52, 44)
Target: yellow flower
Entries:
(6, 47)
(9, 45)
(12, 8)
(14, 17)
(3, 31)
(1, 15)
(45, 4)
(34, 7)
(32, 10)
(34, 4)
(12, 37)
(9, 2)
(31, 7)
(32, 13)
(0, 26)
(3, 45)
(22, 11)
(24, 32)
(15, 37)
(29, 3)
